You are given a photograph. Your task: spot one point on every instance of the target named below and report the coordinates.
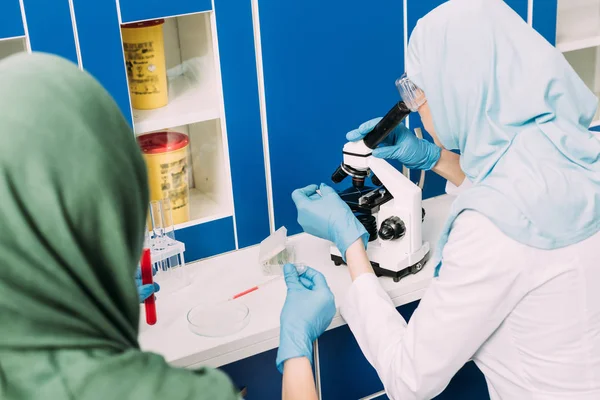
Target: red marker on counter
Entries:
(149, 303)
(300, 267)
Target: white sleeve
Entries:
(454, 190)
(476, 289)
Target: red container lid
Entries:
(162, 142)
(144, 24)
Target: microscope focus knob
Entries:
(392, 228)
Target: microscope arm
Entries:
(407, 195)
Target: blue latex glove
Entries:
(145, 291)
(328, 217)
(402, 145)
(308, 310)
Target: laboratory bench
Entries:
(249, 354)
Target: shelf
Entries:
(194, 109)
(578, 25)
(190, 101)
(194, 90)
(209, 176)
(204, 208)
(579, 44)
(11, 46)
(586, 63)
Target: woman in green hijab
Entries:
(73, 195)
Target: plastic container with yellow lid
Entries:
(166, 156)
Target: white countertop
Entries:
(221, 277)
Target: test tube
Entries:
(149, 303)
(169, 226)
(170, 274)
(157, 222)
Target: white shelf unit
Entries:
(195, 109)
(578, 24)
(11, 46)
(209, 177)
(193, 91)
(578, 37)
(587, 64)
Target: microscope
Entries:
(391, 211)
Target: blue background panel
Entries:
(11, 22)
(520, 6)
(50, 27)
(544, 18)
(242, 113)
(102, 49)
(346, 374)
(208, 239)
(137, 10)
(418, 8)
(258, 375)
(323, 77)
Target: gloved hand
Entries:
(145, 291)
(402, 145)
(328, 217)
(308, 310)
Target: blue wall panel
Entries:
(11, 22)
(206, 240)
(242, 113)
(544, 18)
(520, 6)
(50, 27)
(136, 10)
(323, 77)
(418, 8)
(346, 374)
(101, 48)
(258, 375)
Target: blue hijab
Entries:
(518, 113)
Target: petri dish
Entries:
(217, 320)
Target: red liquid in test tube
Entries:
(149, 303)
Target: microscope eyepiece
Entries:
(387, 124)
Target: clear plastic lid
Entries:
(272, 246)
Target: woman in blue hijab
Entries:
(517, 287)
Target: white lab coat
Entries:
(529, 318)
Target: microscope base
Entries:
(396, 275)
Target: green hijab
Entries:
(73, 197)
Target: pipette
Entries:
(301, 268)
(149, 303)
